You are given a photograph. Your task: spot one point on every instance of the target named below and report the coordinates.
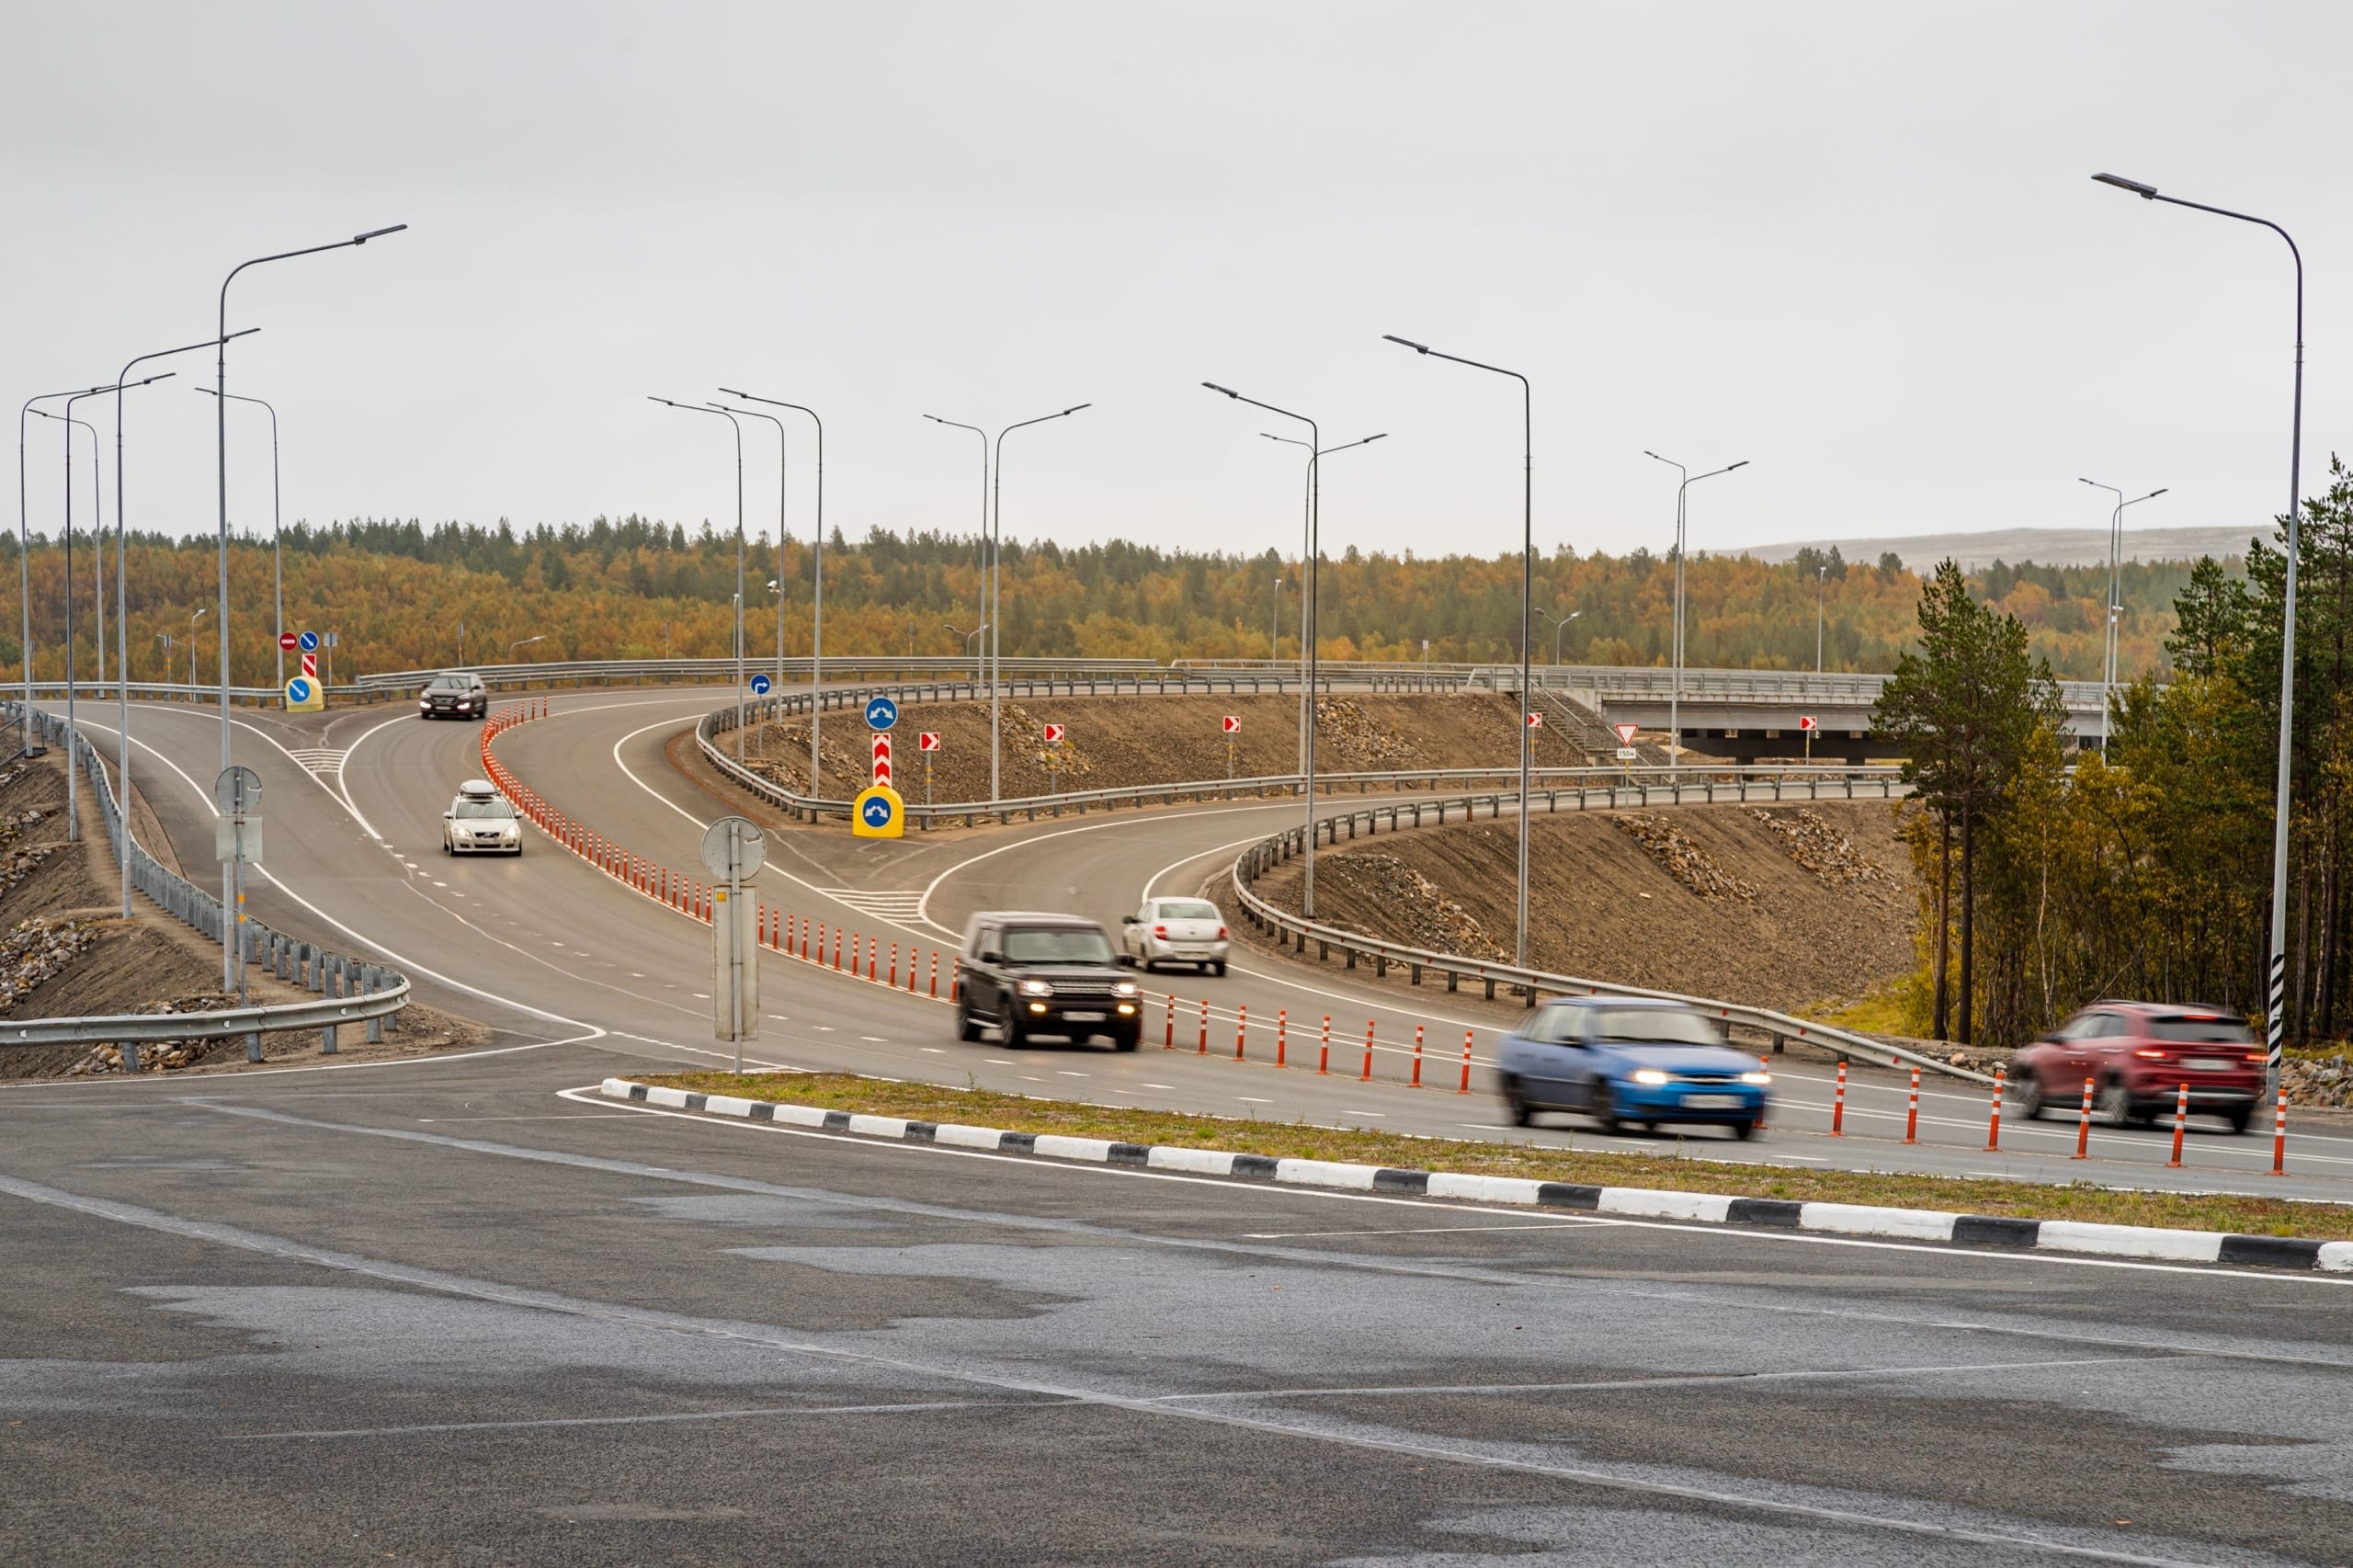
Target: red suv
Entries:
(2138, 1056)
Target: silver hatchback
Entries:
(1176, 930)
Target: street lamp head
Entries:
(1574, 613)
(1227, 390)
(1383, 437)
(1416, 347)
(2145, 192)
(1742, 463)
(1074, 410)
(376, 234)
(2154, 494)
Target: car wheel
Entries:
(1605, 1107)
(1128, 1039)
(1515, 1104)
(1743, 1130)
(1010, 1031)
(2030, 1092)
(966, 1028)
(2115, 1105)
(2240, 1119)
(1218, 969)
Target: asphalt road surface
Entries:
(436, 1311)
(454, 1309)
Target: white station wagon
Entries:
(1176, 930)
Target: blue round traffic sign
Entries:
(878, 812)
(881, 712)
(761, 685)
(298, 689)
(309, 641)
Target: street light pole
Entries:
(817, 596)
(523, 642)
(231, 917)
(783, 474)
(24, 560)
(737, 425)
(1560, 624)
(1527, 604)
(1307, 542)
(2276, 1016)
(1306, 633)
(97, 530)
(1821, 586)
(1675, 689)
(277, 527)
(988, 613)
(1275, 621)
(2107, 670)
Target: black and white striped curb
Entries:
(1631, 1202)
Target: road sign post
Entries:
(1053, 738)
(878, 812)
(1626, 752)
(1806, 727)
(926, 743)
(1233, 727)
(733, 849)
(237, 839)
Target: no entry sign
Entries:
(289, 641)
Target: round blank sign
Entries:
(734, 848)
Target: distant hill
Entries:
(2049, 547)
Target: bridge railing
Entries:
(350, 991)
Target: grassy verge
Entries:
(931, 1102)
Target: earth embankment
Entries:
(1788, 905)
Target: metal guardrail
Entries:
(1296, 932)
(722, 671)
(1695, 781)
(349, 990)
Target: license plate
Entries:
(1712, 1102)
(1084, 1017)
(2209, 1063)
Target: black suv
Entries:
(1046, 974)
(457, 695)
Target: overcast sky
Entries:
(1853, 244)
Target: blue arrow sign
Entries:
(309, 641)
(297, 689)
(881, 712)
(878, 812)
(761, 685)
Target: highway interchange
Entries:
(545, 1326)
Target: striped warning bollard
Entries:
(1417, 1056)
(1367, 1078)
(1838, 1103)
(1323, 1052)
(894, 966)
(1765, 1067)
(1241, 1028)
(1466, 1063)
(1994, 1123)
(2180, 1122)
(1168, 1041)
(874, 955)
(1912, 1112)
(2279, 1138)
(2084, 1126)
(1282, 1033)
(1205, 1028)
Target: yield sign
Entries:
(1626, 733)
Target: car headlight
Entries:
(511, 831)
(1756, 1077)
(1036, 988)
(1650, 1075)
(1124, 988)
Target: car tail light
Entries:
(1221, 933)
(2146, 1053)
(1160, 933)
(2256, 1056)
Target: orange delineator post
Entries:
(837, 949)
(955, 976)
(1169, 1041)
(1764, 1065)
(1368, 1052)
(1912, 1114)
(1205, 1028)
(2279, 1138)
(2180, 1122)
(1417, 1057)
(1994, 1122)
(1241, 1028)
(2084, 1126)
(1323, 1052)
(1838, 1103)
(873, 955)
(1282, 1031)
(894, 965)
(1466, 1063)
(805, 923)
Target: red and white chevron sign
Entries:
(927, 741)
(1233, 724)
(881, 758)
(1054, 734)
(1805, 723)
(311, 665)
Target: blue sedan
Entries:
(1630, 1060)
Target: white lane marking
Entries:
(1417, 1230)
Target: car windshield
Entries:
(2190, 1027)
(1655, 1025)
(467, 806)
(450, 683)
(1187, 909)
(1059, 944)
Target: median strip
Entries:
(2077, 1218)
